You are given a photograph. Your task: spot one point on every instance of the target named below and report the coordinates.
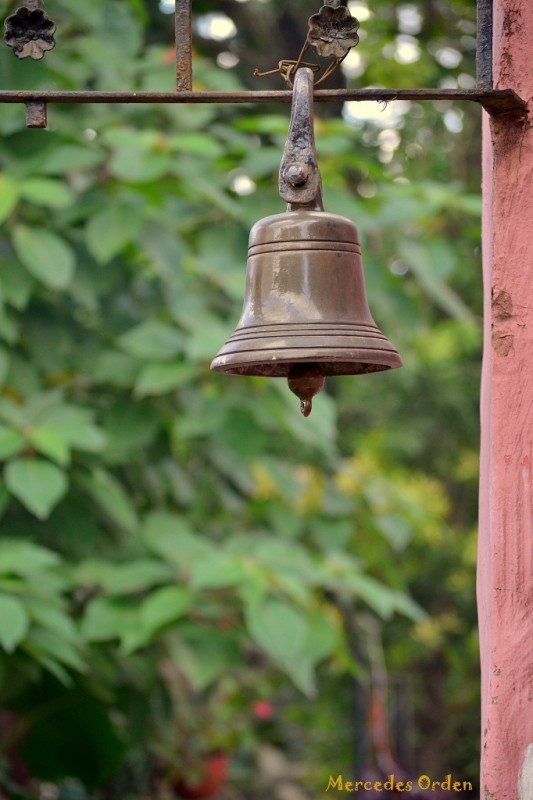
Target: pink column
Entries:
(505, 589)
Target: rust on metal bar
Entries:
(183, 45)
(497, 102)
(36, 114)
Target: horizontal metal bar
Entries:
(496, 102)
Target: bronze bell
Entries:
(305, 314)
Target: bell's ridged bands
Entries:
(266, 248)
(340, 349)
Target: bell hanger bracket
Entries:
(328, 32)
(299, 176)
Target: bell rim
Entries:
(254, 364)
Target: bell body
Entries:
(305, 302)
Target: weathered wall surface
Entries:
(505, 574)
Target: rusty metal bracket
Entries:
(183, 29)
(36, 114)
(299, 175)
(497, 102)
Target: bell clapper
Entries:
(306, 380)
(306, 406)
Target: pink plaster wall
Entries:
(505, 588)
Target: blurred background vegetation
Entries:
(192, 573)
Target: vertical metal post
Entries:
(484, 45)
(183, 45)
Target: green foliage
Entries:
(172, 534)
(35, 623)
(44, 255)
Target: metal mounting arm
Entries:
(299, 176)
(30, 32)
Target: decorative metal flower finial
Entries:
(29, 31)
(333, 31)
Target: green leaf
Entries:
(115, 368)
(24, 558)
(122, 579)
(109, 231)
(46, 192)
(55, 647)
(48, 442)
(208, 191)
(55, 619)
(14, 622)
(49, 663)
(47, 257)
(4, 365)
(9, 195)
(11, 442)
(39, 404)
(9, 329)
(38, 484)
(204, 654)
(217, 570)
(295, 640)
(170, 536)
(396, 528)
(165, 252)
(406, 605)
(106, 619)
(133, 166)
(199, 144)
(422, 265)
(17, 285)
(205, 338)
(160, 378)
(71, 157)
(468, 203)
(74, 425)
(323, 635)
(122, 138)
(152, 340)
(12, 412)
(279, 629)
(112, 498)
(130, 428)
(373, 593)
(162, 607)
(165, 605)
(381, 599)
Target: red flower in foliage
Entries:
(212, 779)
(262, 709)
